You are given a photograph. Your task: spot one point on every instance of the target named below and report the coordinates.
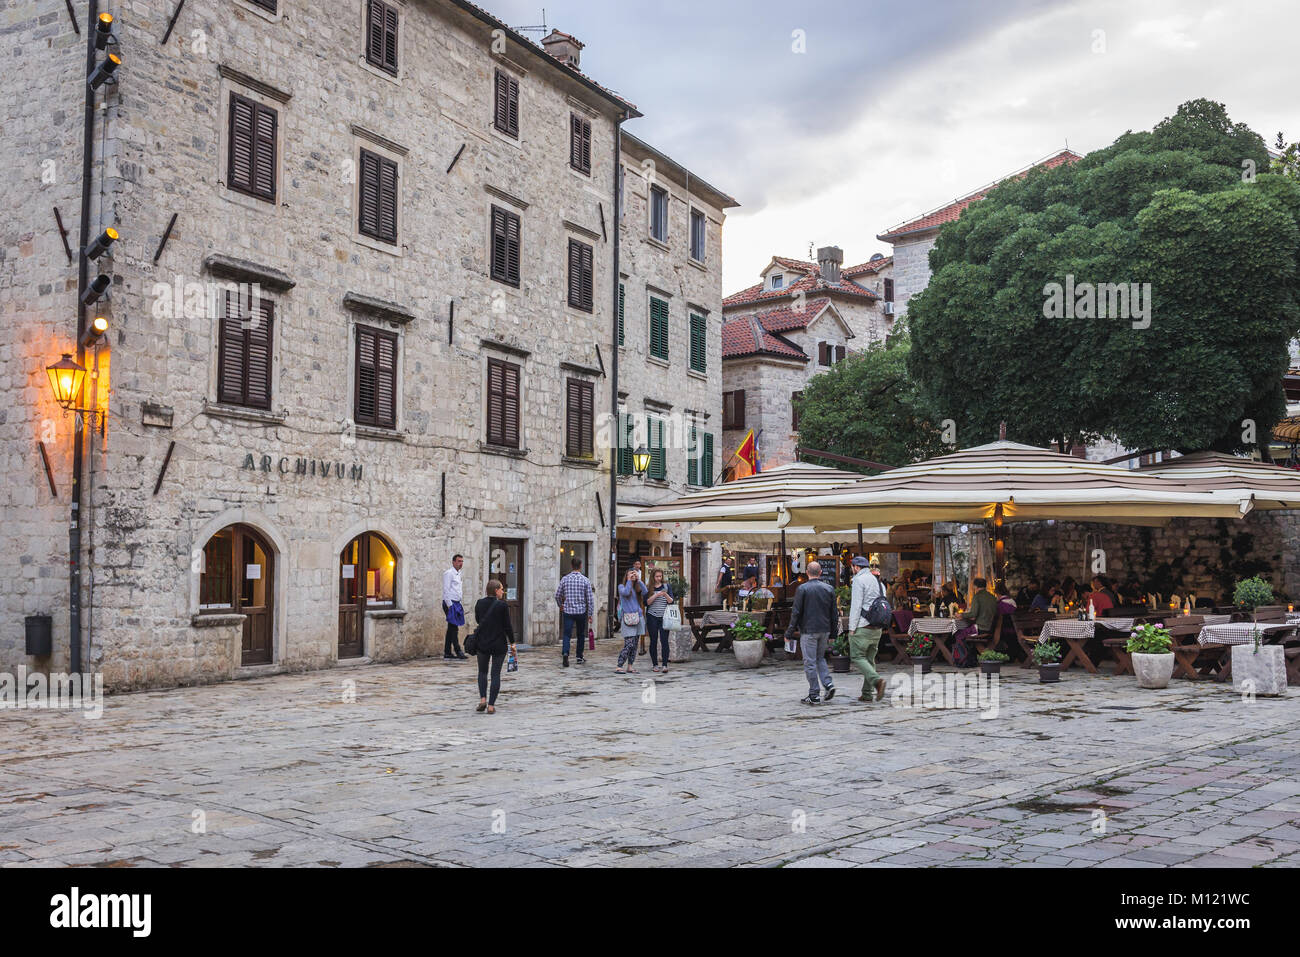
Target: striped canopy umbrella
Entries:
(1262, 485)
(1007, 481)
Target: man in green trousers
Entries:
(864, 641)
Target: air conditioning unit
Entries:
(888, 308)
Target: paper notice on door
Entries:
(512, 594)
(252, 572)
(349, 571)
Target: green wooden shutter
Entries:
(708, 459)
(624, 448)
(620, 313)
(658, 328)
(699, 344)
(692, 458)
(658, 453)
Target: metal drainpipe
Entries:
(613, 390)
(83, 277)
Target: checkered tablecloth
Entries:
(1293, 617)
(932, 626)
(1237, 633)
(1066, 628)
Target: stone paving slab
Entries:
(709, 766)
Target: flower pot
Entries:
(748, 653)
(1153, 671)
(924, 662)
(991, 667)
(1049, 674)
(840, 664)
(1261, 674)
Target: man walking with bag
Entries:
(817, 619)
(577, 601)
(453, 593)
(864, 637)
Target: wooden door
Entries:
(506, 565)
(696, 552)
(351, 600)
(254, 578)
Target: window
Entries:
(505, 111)
(244, 351)
(376, 378)
(698, 225)
(251, 165)
(693, 457)
(580, 276)
(733, 410)
(579, 420)
(658, 328)
(505, 246)
(889, 290)
(706, 459)
(503, 404)
(377, 206)
(828, 353)
(778, 280)
(699, 344)
(626, 438)
(621, 301)
(367, 572)
(659, 213)
(268, 5)
(658, 450)
(580, 143)
(795, 399)
(381, 36)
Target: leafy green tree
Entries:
(1188, 208)
(868, 407)
(1289, 162)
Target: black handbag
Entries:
(471, 643)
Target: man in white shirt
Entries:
(864, 641)
(452, 594)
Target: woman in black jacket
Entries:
(494, 637)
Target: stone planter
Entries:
(840, 664)
(748, 653)
(924, 663)
(991, 667)
(1263, 673)
(1153, 671)
(680, 643)
(1050, 674)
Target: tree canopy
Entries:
(867, 407)
(1009, 328)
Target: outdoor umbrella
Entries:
(1261, 485)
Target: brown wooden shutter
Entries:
(387, 200)
(579, 419)
(368, 218)
(506, 106)
(505, 246)
(244, 352)
(381, 36)
(840, 353)
(251, 166)
(824, 353)
(230, 355)
(579, 143)
(580, 276)
(377, 205)
(259, 355)
(503, 403)
(376, 378)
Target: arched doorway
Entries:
(367, 579)
(238, 577)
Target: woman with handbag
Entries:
(493, 638)
(661, 596)
(631, 596)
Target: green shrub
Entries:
(1252, 593)
(1046, 653)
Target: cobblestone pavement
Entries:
(709, 765)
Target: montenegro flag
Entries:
(745, 458)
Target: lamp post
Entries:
(641, 460)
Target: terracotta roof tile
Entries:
(747, 337)
(811, 283)
(789, 318)
(870, 267)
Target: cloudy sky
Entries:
(897, 107)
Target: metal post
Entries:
(613, 394)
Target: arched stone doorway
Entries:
(367, 579)
(238, 577)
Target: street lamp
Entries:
(641, 460)
(66, 377)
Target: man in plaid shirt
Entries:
(577, 601)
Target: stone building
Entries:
(913, 240)
(799, 320)
(362, 318)
(670, 354)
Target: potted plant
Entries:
(1047, 655)
(1153, 658)
(920, 648)
(748, 640)
(1252, 593)
(1258, 668)
(839, 655)
(991, 661)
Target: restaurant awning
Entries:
(1265, 486)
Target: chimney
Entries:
(830, 259)
(564, 48)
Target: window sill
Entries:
(655, 360)
(381, 245)
(697, 263)
(379, 71)
(385, 612)
(216, 620)
(658, 242)
(697, 374)
(580, 463)
(504, 450)
(379, 434)
(657, 483)
(261, 417)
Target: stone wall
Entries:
(768, 383)
(911, 268)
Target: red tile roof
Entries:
(809, 284)
(789, 318)
(747, 337)
(946, 214)
(870, 267)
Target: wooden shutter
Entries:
(579, 143)
(840, 352)
(824, 353)
(733, 409)
(251, 166)
(699, 343)
(693, 458)
(376, 376)
(621, 300)
(658, 328)
(244, 352)
(658, 453)
(503, 403)
(377, 212)
(506, 105)
(625, 465)
(706, 467)
(381, 36)
(505, 246)
(580, 276)
(580, 419)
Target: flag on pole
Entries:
(745, 458)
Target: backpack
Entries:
(879, 613)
